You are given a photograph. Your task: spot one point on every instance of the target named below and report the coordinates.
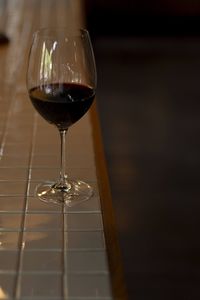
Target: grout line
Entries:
(52, 272)
(3, 229)
(57, 250)
(22, 243)
(65, 262)
(81, 250)
(60, 298)
(42, 167)
(12, 180)
(11, 195)
(41, 212)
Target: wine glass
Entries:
(61, 81)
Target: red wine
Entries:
(62, 104)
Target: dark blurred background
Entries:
(148, 60)
(143, 18)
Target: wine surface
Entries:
(62, 104)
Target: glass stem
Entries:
(63, 176)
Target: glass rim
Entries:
(75, 32)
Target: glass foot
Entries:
(70, 194)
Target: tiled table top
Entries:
(46, 251)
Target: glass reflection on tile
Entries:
(37, 222)
(9, 240)
(34, 184)
(43, 240)
(35, 205)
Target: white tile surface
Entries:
(84, 222)
(10, 221)
(11, 204)
(42, 261)
(14, 161)
(84, 240)
(8, 260)
(88, 261)
(13, 188)
(13, 173)
(89, 285)
(41, 285)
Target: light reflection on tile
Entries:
(9, 240)
(36, 205)
(37, 222)
(32, 188)
(7, 284)
(43, 240)
(34, 184)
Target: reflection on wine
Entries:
(62, 104)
